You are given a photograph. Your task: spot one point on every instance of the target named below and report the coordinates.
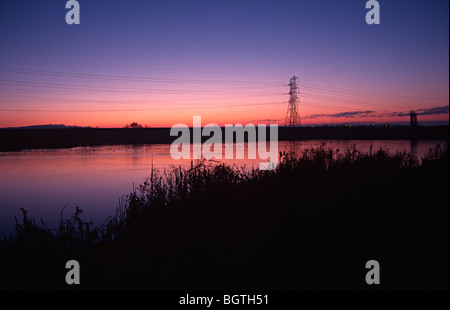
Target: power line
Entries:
(114, 89)
(128, 78)
(135, 110)
(332, 94)
(40, 60)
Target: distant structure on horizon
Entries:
(292, 117)
(413, 119)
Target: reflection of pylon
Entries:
(292, 117)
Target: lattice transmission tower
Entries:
(292, 117)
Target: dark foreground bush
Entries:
(312, 223)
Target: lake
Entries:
(45, 181)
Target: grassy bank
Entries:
(19, 139)
(312, 223)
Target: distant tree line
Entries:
(134, 125)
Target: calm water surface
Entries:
(44, 181)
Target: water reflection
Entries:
(414, 146)
(44, 181)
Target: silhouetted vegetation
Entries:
(134, 125)
(313, 222)
(19, 139)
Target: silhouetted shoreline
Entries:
(312, 223)
(19, 139)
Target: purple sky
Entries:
(161, 62)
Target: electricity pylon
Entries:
(292, 117)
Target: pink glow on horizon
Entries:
(118, 103)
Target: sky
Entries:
(159, 63)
